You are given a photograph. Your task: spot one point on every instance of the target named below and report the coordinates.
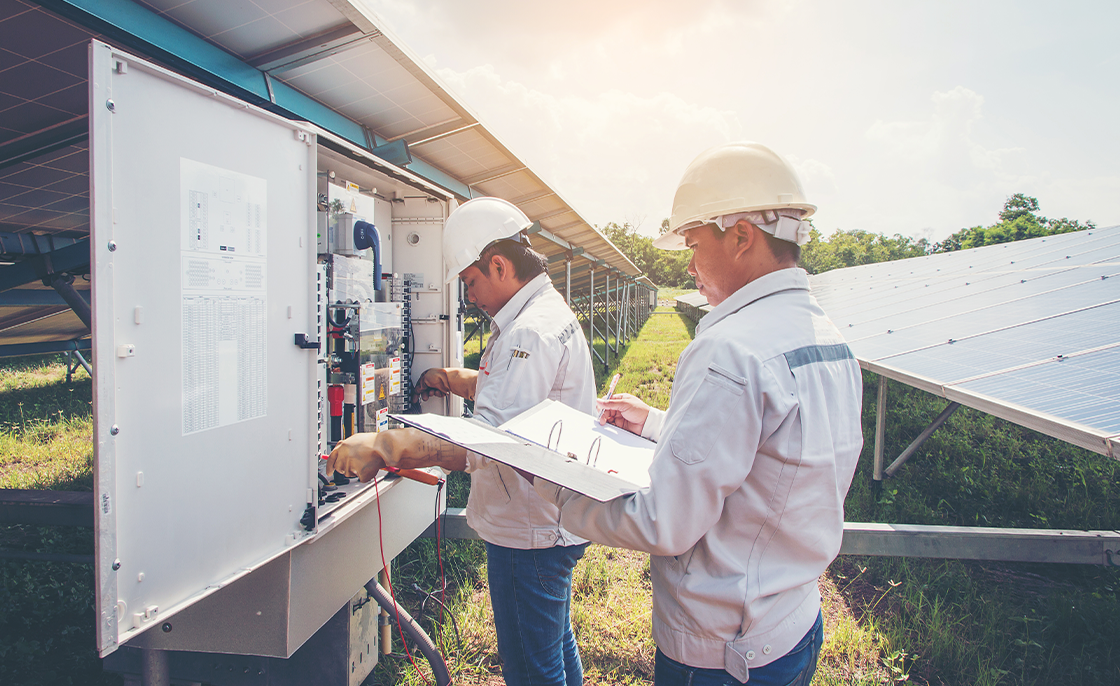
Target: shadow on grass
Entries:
(21, 406)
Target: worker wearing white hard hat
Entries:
(536, 350)
(754, 456)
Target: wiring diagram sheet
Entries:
(223, 229)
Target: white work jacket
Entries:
(745, 507)
(536, 350)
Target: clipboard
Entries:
(556, 443)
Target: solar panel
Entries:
(1029, 330)
(331, 50)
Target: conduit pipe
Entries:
(410, 627)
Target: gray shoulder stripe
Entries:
(818, 353)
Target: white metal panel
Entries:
(184, 508)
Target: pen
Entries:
(610, 393)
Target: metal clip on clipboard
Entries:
(558, 430)
(558, 425)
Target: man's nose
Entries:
(692, 266)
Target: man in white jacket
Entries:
(745, 507)
(536, 350)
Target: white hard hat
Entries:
(736, 179)
(474, 225)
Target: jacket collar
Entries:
(520, 299)
(793, 278)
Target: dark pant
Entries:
(795, 668)
(531, 592)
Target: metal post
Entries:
(568, 281)
(880, 428)
(591, 314)
(628, 293)
(913, 447)
(154, 668)
(64, 285)
(607, 322)
(386, 625)
(626, 311)
(633, 310)
(82, 361)
(618, 319)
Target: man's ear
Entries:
(500, 267)
(744, 234)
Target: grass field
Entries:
(888, 620)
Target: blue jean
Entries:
(795, 668)
(531, 592)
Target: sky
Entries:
(917, 118)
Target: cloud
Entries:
(944, 144)
(615, 156)
(936, 171)
(609, 101)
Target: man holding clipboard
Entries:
(745, 507)
(536, 351)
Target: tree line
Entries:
(1018, 220)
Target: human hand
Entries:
(442, 382)
(361, 455)
(624, 411)
(432, 382)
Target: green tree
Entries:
(854, 247)
(1018, 205)
(1019, 220)
(663, 267)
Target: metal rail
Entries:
(941, 542)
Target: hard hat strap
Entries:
(784, 224)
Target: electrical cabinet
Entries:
(244, 268)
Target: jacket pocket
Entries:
(488, 487)
(705, 418)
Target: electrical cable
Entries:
(385, 565)
(427, 647)
(454, 625)
(439, 557)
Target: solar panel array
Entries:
(1028, 331)
(331, 50)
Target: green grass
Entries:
(46, 426)
(47, 622)
(986, 623)
(671, 294)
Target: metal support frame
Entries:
(880, 428)
(922, 438)
(943, 542)
(20, 349)
(63, 284)
(568, 281)
(72, 258)
(73, 360)
(613, 311)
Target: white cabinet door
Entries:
(203, 249)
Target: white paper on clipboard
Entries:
(622, 465)
(573, 433)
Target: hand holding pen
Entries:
(622, 410)
(610, 394)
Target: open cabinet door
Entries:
(205, 409)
